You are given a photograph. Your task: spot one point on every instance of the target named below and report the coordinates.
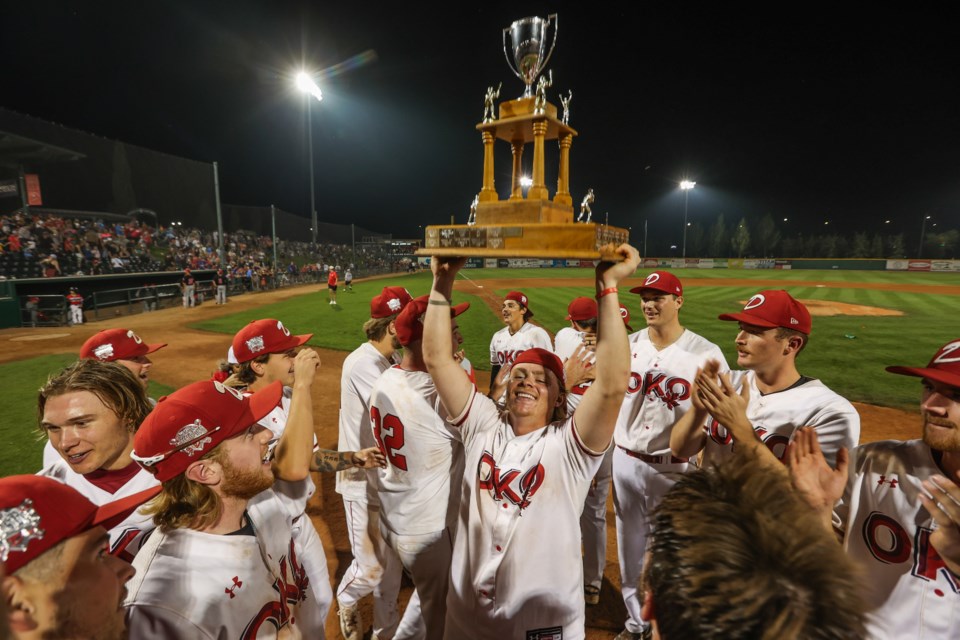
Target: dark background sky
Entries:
(807, 112)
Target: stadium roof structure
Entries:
(17, 150)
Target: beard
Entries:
(946, 439)
(245, 483)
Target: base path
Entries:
(193, 354)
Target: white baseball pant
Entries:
(593, 524)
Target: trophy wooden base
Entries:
(584, 241)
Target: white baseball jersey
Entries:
(887, 531)
(517, 569)
(191, 584)
(566, 342)
(419, 489)
(127, 536)
(504, 347)
(658, 393)
(360, 371)
(777, 416)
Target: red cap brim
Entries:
(264, 401)
(154, 347)
(457, 309)
(746, 318)
(937, 375)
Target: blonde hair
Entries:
(115, 385)
(185, 504)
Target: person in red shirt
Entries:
(332, 285)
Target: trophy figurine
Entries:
(528, 38)
(526, 223)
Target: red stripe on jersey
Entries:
(583, 447)
(466, 412)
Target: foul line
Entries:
(461, 274)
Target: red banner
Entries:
(32, 181)
(918, 265)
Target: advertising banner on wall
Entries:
(490, 263)
(32, 182)
(918, 265)
(897, 265)
(945, 265)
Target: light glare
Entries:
(306, 84)
(687, 184)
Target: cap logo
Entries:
(794, 321)
(945, 357)
(189, 432)
(280, 326)
(624, 313)
(255, 344)
(523, 299)
(394, 304)
(222, 388)
(653, 277)
(134, 337)
(104, 351)
(18, 526)
(755, 302)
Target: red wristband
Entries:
(606, 291)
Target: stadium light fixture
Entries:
(309, 88)
(685, 186)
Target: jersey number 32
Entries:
(389, 435)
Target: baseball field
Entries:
(863, 321)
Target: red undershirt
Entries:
(111, 481)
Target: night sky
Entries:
(851, 118)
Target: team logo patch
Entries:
(551, 633)
(104, 351)
(18, 526)
(394, 304)
(653, 277)
(255, 344)
(755, 302)
(190, 432)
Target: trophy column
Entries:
(488, 193)
(563, 177)
(538, 191)
(517, 192)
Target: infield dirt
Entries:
(192, 354)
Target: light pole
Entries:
(685, 186)
(309, 88)
(923, 230)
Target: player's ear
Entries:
(205, 472)
(392, 327)
(21, 615)
(679, 300)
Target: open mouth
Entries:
(268, 456)
(77, 458)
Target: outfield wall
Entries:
(846, 264)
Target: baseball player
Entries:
(735, 554)
(348, 280)
(419, 489)
(770, 400)
(59, 583)
(332, 285)
(122, 346)
(513, 339)
(375, 568)
(220, 281)
(664, 358)
(75, 302)
(528, 470)
(899, 516)
(89, 413)
(187, 285)
(582, 314)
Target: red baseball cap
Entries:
(547, 359)
(774, 308)
(389, 302)
(662, 281)
(116, 344)
(625, 314)
(581, 308)
(38, 513)
(194, 420)
(520, 299)
(409, 323)
(265, 336)
(944, 367)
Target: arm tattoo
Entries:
(326, 461)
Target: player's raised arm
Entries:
(453, 387)
(294, 452)
(597, 413)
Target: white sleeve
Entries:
(364, 375)
(493, 350)
(542, 339)
(146, 621)
(837, 426)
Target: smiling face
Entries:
(86, 432)
(940, 408)
(279, 366)
(661, 310)
(532, 391)
(140, 367)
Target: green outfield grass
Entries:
(23, 446)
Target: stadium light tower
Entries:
(685, 186)
(309, 88)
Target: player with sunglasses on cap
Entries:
(517, 568)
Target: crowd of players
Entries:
(744, 507)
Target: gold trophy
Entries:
(531, 225)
